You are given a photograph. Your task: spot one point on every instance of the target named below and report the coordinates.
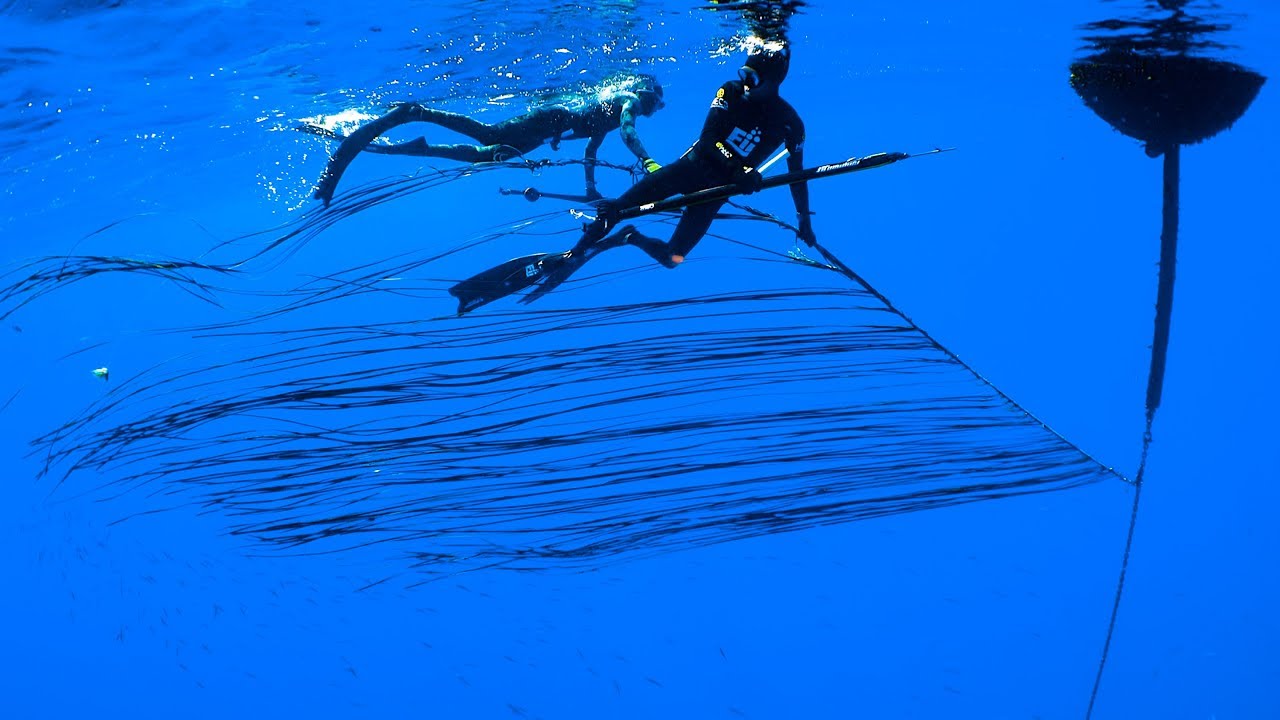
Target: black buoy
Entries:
(1149, 85)
(1146, 79)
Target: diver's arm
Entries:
(627, 128)
(589, 166)
(800, 196)
(799, 190)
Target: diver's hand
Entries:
(650, 165)
(606, 218)
(749, 181)
(805, 231)
(607, 211)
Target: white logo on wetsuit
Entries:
(742, 141)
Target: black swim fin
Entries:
(553, 279)
(574, 260)
(510, 277)
(354, 144)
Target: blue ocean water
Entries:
(159, 131)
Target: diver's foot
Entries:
(654, 248)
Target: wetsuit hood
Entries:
(649, 90)
(769, 66)
(652, 97)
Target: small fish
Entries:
(101, 373)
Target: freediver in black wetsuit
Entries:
(747, 122)
(592, 119)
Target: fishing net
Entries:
(220, 271)
(567, 436)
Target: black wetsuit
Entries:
(522, 134)
(741, 132)
(500, 141)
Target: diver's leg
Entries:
(493, 142)
(360, 140)
(413, 147)
(659, 250)
(489, 149)
(482, 133)
(464, 153)
(693, 225)
(669, 180)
